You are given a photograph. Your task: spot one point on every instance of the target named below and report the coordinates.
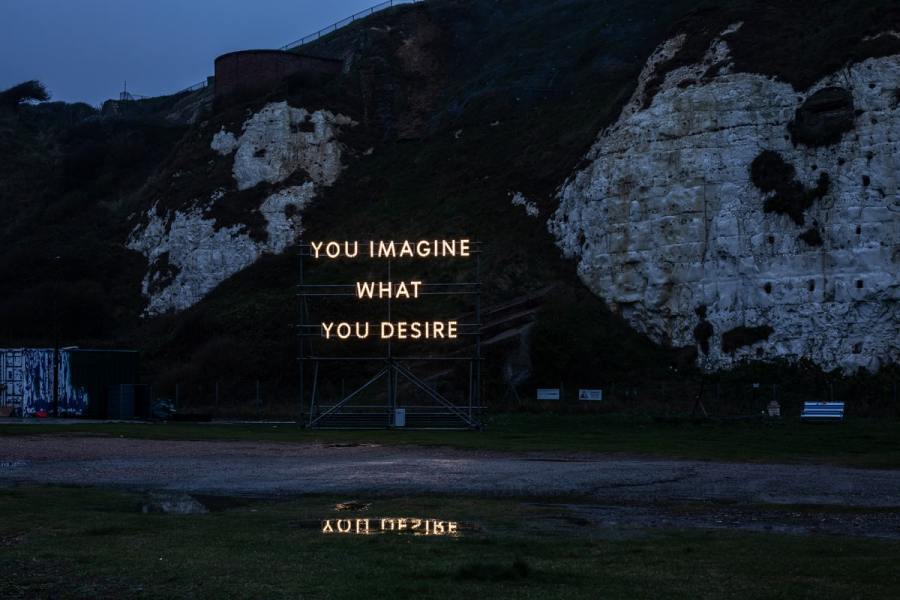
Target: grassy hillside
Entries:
(67, 184)
(460, 104)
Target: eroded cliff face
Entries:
(190, 252)
(733, 212)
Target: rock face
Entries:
(279, 139)
(530, 207)
(754, 220)
(189, 254)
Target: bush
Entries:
(27, 91)
(578, 342)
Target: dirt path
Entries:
(277, 469)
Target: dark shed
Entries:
(96, 371)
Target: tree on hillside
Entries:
(27, 91)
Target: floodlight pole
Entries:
(476, 366)
(301, 357)
(391, 374)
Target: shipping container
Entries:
(81, 377)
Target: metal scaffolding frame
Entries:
(394, 367)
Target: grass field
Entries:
(857, 442)
(90, 543)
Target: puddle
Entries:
(558, 459)
(350, 445)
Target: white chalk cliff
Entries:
(189, 255)
(667, 224)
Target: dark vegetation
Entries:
(771, 174)
(823, 118)
(568, 347)
(795, 42)
(740, 337)
(66, 180)
(812, 236)
(25, 92)
(703, 331)
(800, 42)
(162, 272)
(462, 103)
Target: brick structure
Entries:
(257, 69)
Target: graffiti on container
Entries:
(27, 380)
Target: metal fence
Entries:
(249, 399)
(718, 399)
(344, 22)
(197, 86)
(724, 399)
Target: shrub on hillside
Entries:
(27, 91)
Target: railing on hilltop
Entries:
(197, 86)
(343, 22)
(193, 88)
(126, 95)
(318, 34)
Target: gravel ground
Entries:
(260, 469)
(595, 494)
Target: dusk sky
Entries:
(84, 50)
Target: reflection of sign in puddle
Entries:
(12, 464)
(407, 525)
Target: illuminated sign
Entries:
(390, 290)
(378, 315)
(408, 525)
(392, 249)
(366, 289)
(400, 330)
